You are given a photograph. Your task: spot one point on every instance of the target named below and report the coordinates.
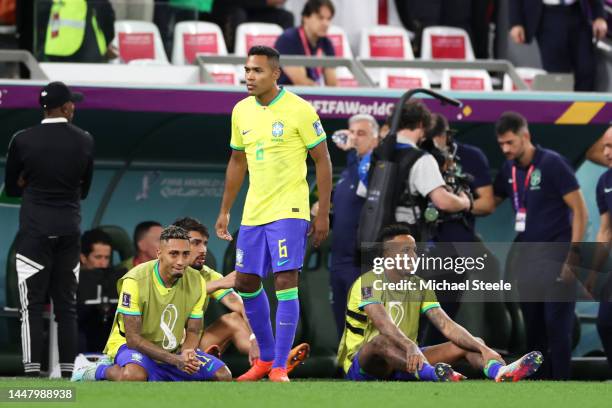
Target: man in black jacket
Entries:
(50, 165)
(564, 30)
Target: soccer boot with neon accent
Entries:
(258, 370)
(278, 374)
(297, 356)
(521, 368)
(445, 373)
(87, 371)
(213, 350)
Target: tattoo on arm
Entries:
(453, 331)
(192, 333)
(133, 328)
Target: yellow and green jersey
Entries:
(276, 139)
(210, 275)
(404, 307)
(164, 311)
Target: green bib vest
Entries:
(164, 317)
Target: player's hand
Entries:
(319, 228)
(228, 281)
(253, 351)
(568, 274)
(590, 283)
(600, 28)
(188, 362)
(517, 33)
(414, 361)
(221, 226)
(489, 354)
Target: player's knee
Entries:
(133, 372)
(285, 280)
(223, 374)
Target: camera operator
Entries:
(423, 191)
(466, 168)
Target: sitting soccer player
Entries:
(232, 327)
(382, 325)
(159, 301)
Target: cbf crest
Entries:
(536, 179)
(277, 129)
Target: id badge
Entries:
(521, 220)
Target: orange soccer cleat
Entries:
(278, 375)
(258, 370)
(297, 356)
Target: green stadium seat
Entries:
(120, 241)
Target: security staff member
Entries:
(50, 165)
(604, 237)
(76, 30)
(347, 201)
(545, 197)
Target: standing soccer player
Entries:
(272, 132)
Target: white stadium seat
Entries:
(342, 49)
(403, 78)
(250, 34)
(384, 42)
(195, 37)
(466, 80)
(446, 43)
(526, 74)
(139, 41)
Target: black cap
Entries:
(55, 94)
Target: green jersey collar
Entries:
(276, 98)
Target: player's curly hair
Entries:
(173, 232)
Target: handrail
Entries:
(354, 66)
(27, 59)
(488, 65)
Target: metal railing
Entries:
(358, 66)
(487, 65)
(26, 59)
(354, 66)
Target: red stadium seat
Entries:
(250, 34)
(466, 80)
(400, 78)
(527, 74)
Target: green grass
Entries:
(334, 394)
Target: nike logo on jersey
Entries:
(281, 263)
(244, 132)
(607, 190)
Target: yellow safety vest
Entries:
(66, 29)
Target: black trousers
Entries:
(565, 41)
(48, 267)
(604, 328)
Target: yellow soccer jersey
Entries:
(131, 303)
(404, 308)
(210, 275)
(276, 139)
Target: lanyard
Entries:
(515, 186)
(318, 70)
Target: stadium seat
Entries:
(120, 241)
(342, 49)
(139, 42)
(250, 34)
(195, 37)
(384, 42)
(466, 80)
(440, 42)
(527, 74)
(400, 78)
